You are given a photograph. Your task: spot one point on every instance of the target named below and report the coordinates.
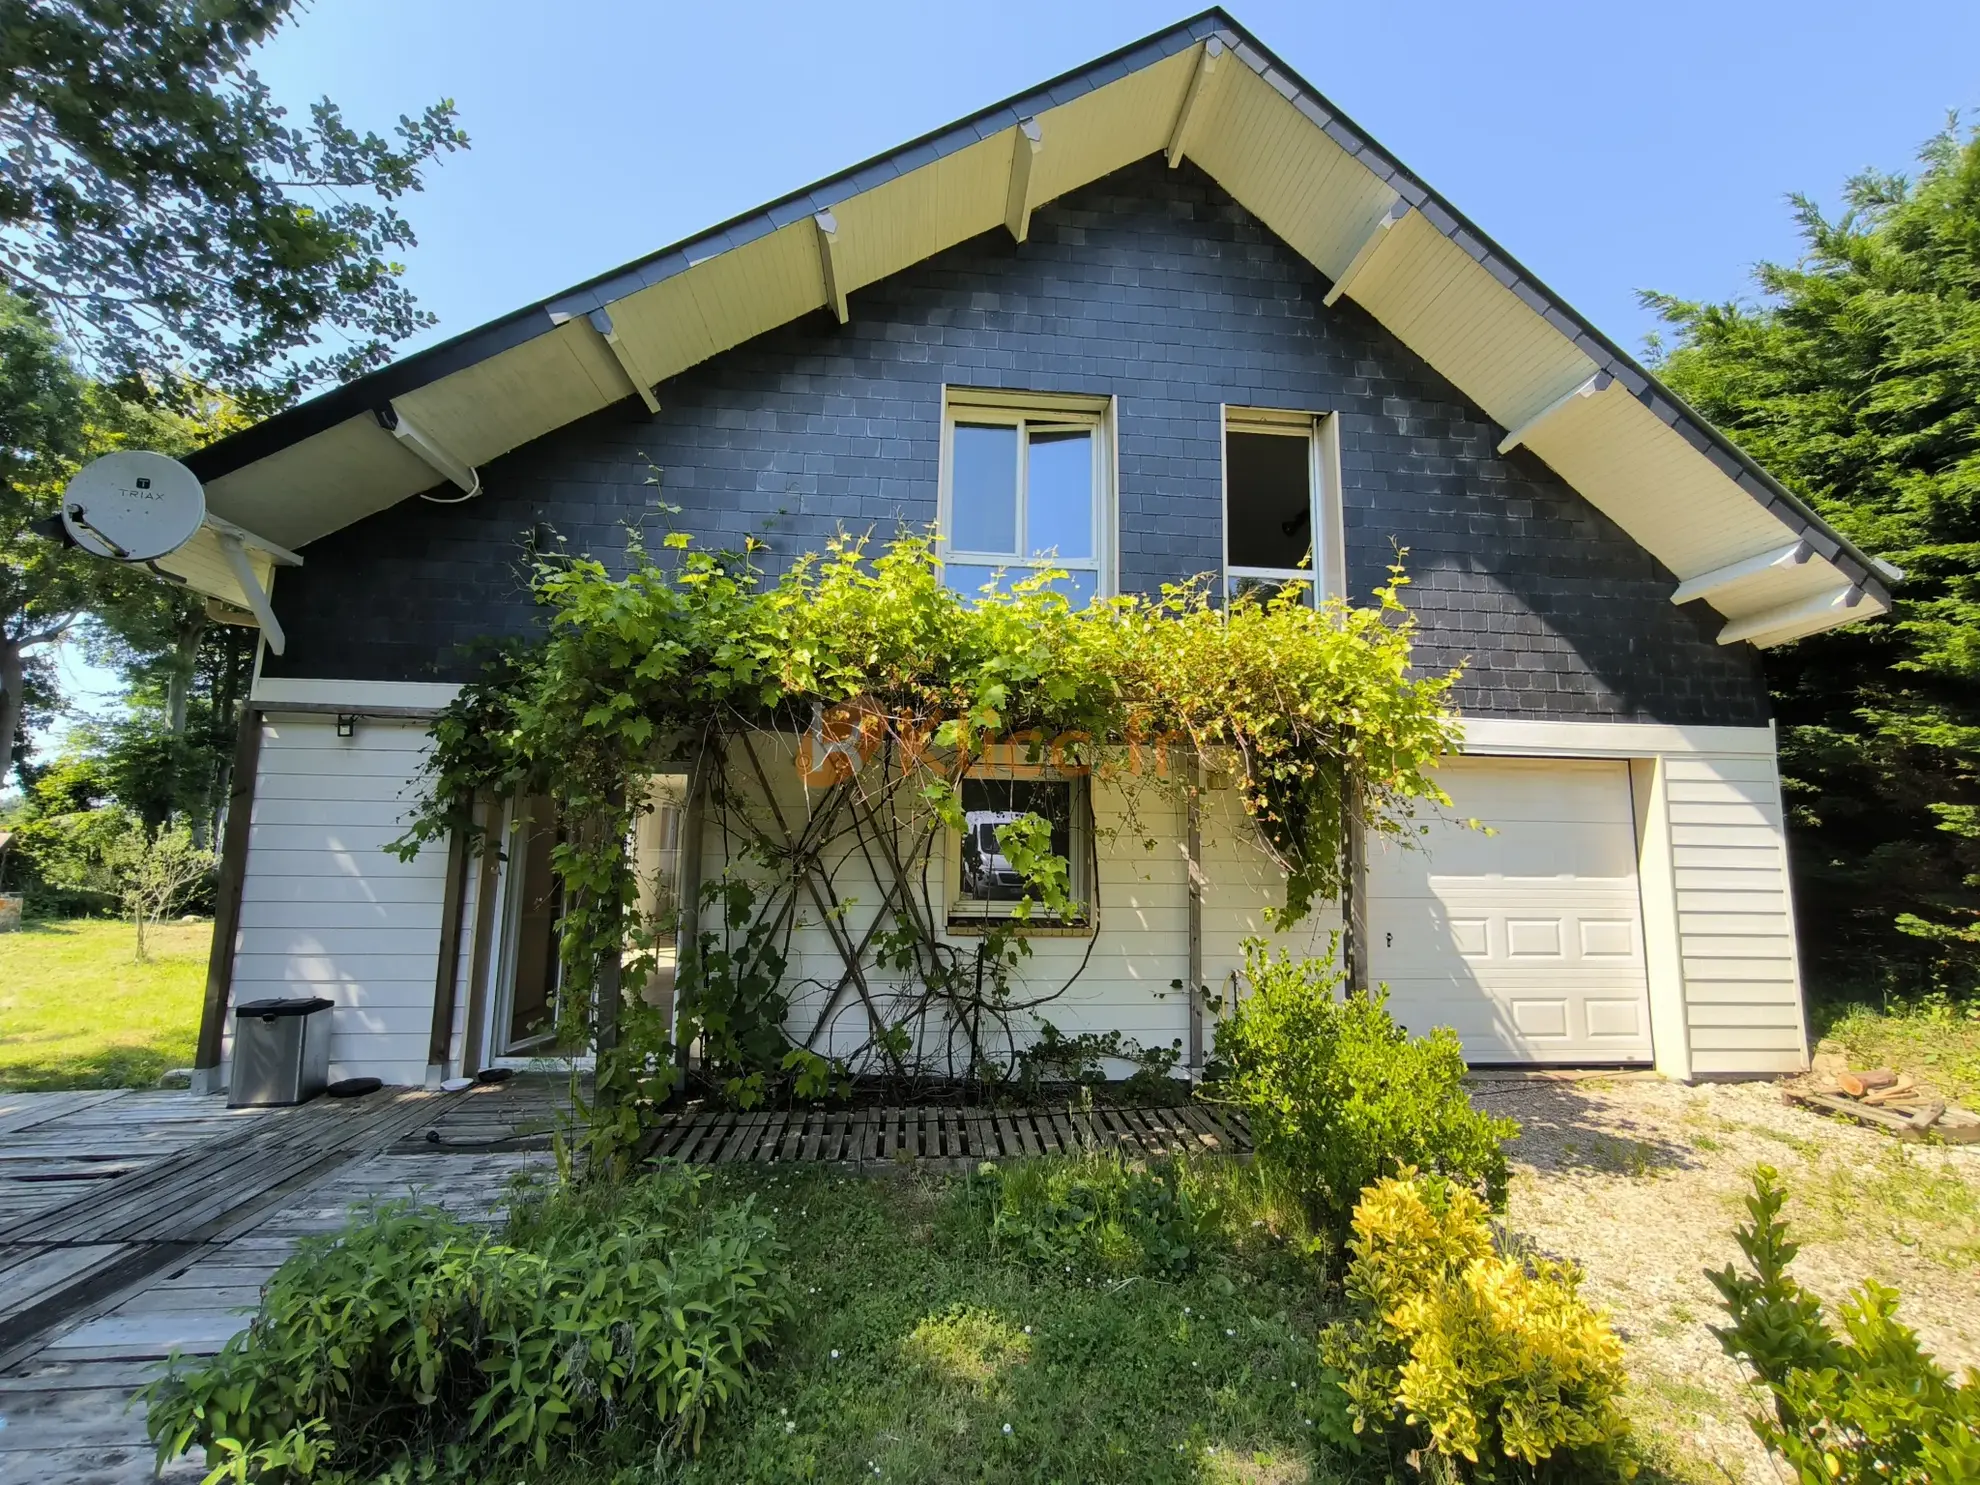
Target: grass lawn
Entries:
(917, 1355)
(76, 1012)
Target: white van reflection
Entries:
(987, 875)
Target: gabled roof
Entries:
(1204, 89)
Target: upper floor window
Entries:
(1027, 482)
(1281, 502)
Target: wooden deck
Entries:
(948, 1138)
(135, 1224)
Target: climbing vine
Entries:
(827, 718)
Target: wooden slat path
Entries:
(945, 1137)
(172, 1252)
(56, 1260)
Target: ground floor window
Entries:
(985, 884)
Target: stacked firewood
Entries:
(1888, 1100)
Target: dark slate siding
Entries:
(1153, 286)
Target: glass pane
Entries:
(533, 994)
(1269, 510)
(968, 578)
(983, 489)
(988, 803)
(1079, 585)
(1059, 502)
(1264, 589)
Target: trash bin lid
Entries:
(268, 1010)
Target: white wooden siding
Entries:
(1241, 880)
(325, 910)
(1742, 985)
(1133, 959)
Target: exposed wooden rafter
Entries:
(1195, 101)
(829, 266)
(280, 556)
(1792, 620)
(235, 551)
(1599, 382)
(1372, 244)
(1734, 573)
(1026, 141)
(601, 321)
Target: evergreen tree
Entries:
(1857, 382)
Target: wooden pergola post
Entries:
(227, 902)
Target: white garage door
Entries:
(1528, 940)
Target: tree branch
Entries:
(47, 636)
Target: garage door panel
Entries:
(1417, 935)
(1574, 849)
(1526, 940)
(1528, 1026)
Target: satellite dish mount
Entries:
(136, 506)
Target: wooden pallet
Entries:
(944, 1137)
(1889, 1118)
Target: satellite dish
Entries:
(133, 506)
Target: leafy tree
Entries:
(44, 587)
(162, 221)
(172, 222)
(52, 421)
(112, 853)
(1857, 381)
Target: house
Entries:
(1176, 312)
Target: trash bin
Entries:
(281, 1052)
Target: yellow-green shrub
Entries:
(1479, 1359)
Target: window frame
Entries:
(979, 916)
(511, 887)
(1046, 411)
(1327, 577)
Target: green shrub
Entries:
(1053, 1057)
(411, 1342)
(1339, 1096)
(1098, 1212)
(1479, 1361)
(1868, 1405)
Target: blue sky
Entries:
(1611, 148)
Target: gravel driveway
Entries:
(1641, 1180)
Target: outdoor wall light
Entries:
(346, 724)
